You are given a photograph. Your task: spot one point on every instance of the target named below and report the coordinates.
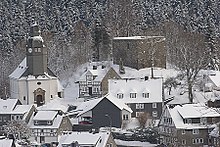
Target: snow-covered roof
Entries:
(92, 139)
(215, 78)
(19, 71)
(53, 105)
(145, 72)
(138, 38)
(37, 38)
(8, 105)
(98, 74)
(6, 142)
(56, 124)
(154, 86)
(89, 105)
(197, 111)
(180, 96)
(45, 115)
(178, 113)
(22, 109)
(215, 132)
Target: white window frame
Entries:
(133, 95)
(138, 113)
(139, 106)
(145, 95)
(120, 95)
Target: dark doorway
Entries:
(42, 139)
(40, 100)
(90, 91)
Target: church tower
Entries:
(36, 52)
(32, 82)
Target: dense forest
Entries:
(75, 30)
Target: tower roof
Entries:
(35, 40)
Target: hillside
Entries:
(75, 30)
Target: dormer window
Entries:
(133, 95)
(94, 67)
(36, 122)
(145, 95)
(120, 95)
(49, 122)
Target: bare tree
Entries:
(142, 118)
(18, 129)
(191, 57)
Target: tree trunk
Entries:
(190, 92)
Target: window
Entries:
(145, 95)
(109, 145)
(138, 114)
(201, 140)
(197, 140)
(139, 106)
(120, 95)
(154, 105)
(125, 117)
(154, 113)
(183, 142)
(195, 131)
(24, 98)
(95, 89)
(183, 132)
(133, 95)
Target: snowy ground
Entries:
(134, 143)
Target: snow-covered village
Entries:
(101, 73)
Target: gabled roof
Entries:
(6, 142)
(8, 105)
(20, 70)
(22, 109)
(179, 113)
(45, 115)
(98, 74)
(54, 105)
(215, 78)
(92, 139)
(153, 86)
(89, 105)
(56, 123)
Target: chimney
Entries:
(121, 67)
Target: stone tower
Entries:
(36, 52)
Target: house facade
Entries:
(140, 51)
(32, 82)
(102, 112)
(141, 95)
(187, 125)
(12, 110)
(47, 125)
(94, 82)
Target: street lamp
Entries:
(110, 121)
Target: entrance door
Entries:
(40, 100)
(42, 139)
(90, 91)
